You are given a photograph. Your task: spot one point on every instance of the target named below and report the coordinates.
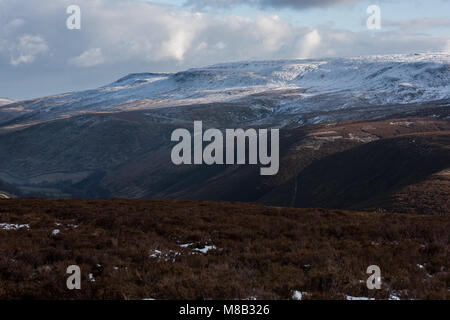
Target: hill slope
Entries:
(288, 87)
(4, 101)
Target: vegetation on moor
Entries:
(141, 249)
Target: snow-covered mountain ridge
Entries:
(4, 101)
(285, 86)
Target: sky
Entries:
(41, 56)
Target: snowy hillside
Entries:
(4, 101)
(283, 86)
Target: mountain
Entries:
(4, 101)
(294, 87)
(8, 191)
(114, 141)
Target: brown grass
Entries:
(261, 252)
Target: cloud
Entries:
(126, 36)
(13, 24)
(222, 4)
(294, 4)
(26, 49)
(309, 44)
(447, 47)
(89, 58)
(420, 23)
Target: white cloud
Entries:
(128, 32)
(26, 49)
(89, 58)
(294, 4)
(273, 32)
(177, 45)
(309, 44)
(124, 36)
(16, 23)
(447, 47)
(419, 23)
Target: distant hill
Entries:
(4, 101)
(346, 126)
(8, 191)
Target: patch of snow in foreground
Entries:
(206, 249)
(55, 232)
(358, 298)
(394, 297)
(156, 254)
(91, 277)
(165, 256)
(12, 226)
(298, 295)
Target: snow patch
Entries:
(12, 226)
(358, 298)
(298, 295)
(205, 249)
(165, 256)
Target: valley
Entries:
(369, 160)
